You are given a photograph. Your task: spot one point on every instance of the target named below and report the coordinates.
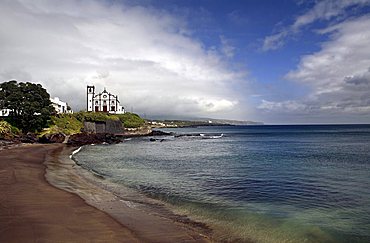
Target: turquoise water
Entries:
(259, 183)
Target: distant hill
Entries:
(199, 122)
(233, 122)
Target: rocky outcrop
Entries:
(137, 132)
(52, 138)
(28, 138)
(93, 138)
(159, 133)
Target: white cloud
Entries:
(322, 10)
(274, 42)
(226, 47)
(338, 75)
(284, 106)
(326, 10)
(142, 54)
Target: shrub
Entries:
(64, 123)
(94, 116)
(67, 123)
(7, 131)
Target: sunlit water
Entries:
(259, 183)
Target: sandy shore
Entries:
(31, 210)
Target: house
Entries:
(103, 102)
(60, 106)
(4, 112)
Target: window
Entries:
(96, 102)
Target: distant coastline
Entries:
(201, 122)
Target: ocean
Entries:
(301, 183)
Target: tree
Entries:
(29, 104)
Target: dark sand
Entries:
(31, 210)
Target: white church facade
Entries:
(103, 102)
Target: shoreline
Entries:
(34, 211)
(127, 215)
(148, 218)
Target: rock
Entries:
(28, 138)
(137, 132)
(5, 144)
(52, 138)
(159, 133)
(92, 138)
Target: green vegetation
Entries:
(29, 103)
(94, 116)
(64, 123)
(7, 131)
(73, 123)
(131, 120)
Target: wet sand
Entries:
(31, 210)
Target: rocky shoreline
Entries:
(78, 139)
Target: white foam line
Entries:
(75, 152)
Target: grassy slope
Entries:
(73, 123)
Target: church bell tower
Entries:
(90, 98)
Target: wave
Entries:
(200, 135)
(75, 152)
(204, 136)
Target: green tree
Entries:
(29, 104)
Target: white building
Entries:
(60, 106)
(4, 112)
(103, 102)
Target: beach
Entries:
(45, 197)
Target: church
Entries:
(103, 102)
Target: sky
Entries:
(279, 62)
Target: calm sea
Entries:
(259, 183)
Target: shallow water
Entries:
(259, 183)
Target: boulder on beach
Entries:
(52, 138)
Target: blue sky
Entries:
(272, 61)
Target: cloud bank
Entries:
(322, 10)
(338, 75)
(144, 55)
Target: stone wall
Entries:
(109, 126)
(114, 127)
